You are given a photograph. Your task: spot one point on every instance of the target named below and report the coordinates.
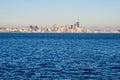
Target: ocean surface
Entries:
(59, 56)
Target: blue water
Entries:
(54, 56)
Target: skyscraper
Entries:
(77, 24)
(71, 26)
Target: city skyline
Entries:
(73, 28)
(61, 12)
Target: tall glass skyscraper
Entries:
(77, 24)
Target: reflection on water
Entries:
(59, 59)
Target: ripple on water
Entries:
(50, 59)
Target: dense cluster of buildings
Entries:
(55, 28)
(75, 28)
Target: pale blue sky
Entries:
(87, 12)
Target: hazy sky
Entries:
(87, 12)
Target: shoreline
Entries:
(53, 33)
